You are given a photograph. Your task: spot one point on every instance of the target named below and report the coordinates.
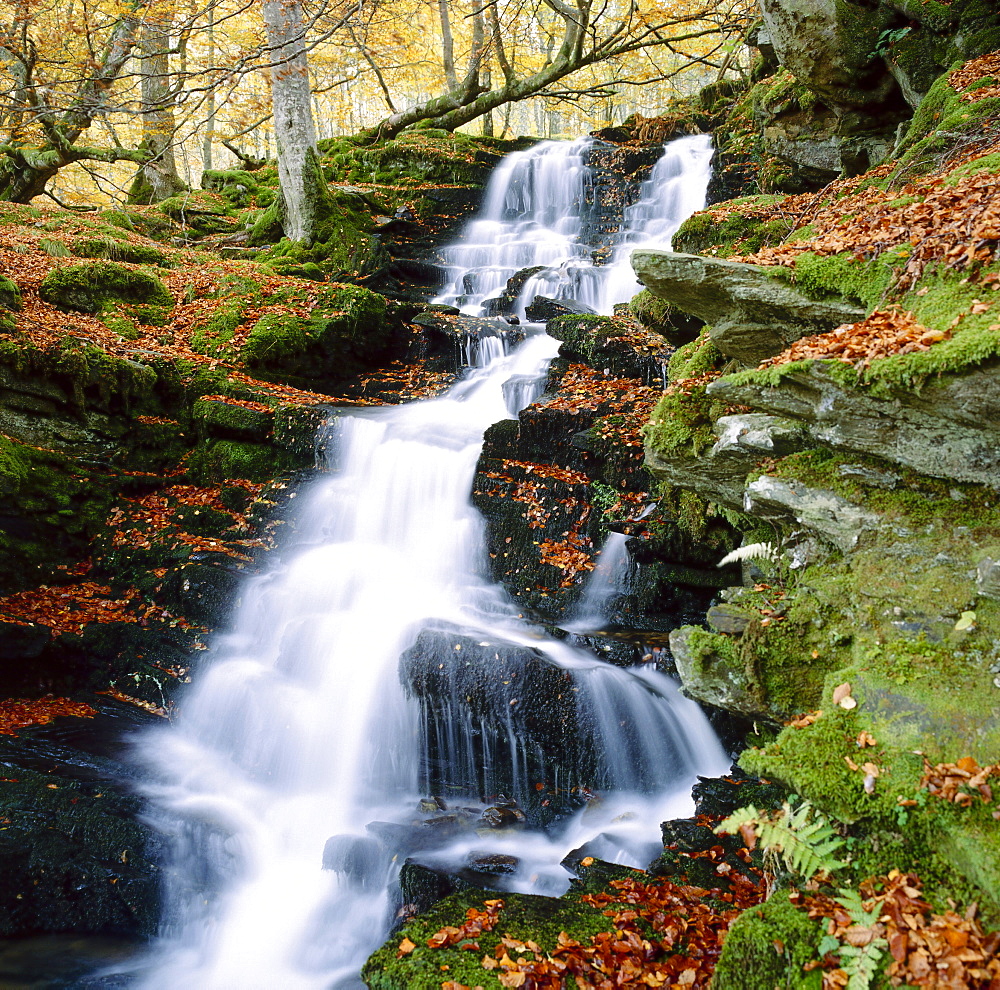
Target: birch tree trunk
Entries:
(158, 179)
(303, 188)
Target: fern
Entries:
(804, 838)
(860, 962)
(807, 844)
(752, 551)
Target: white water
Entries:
(298, 729)
(611, 577)
(536, 213)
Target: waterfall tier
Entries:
(546, 225)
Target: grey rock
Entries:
(719, 473)
(709, 678)
(988, 578)
(869, 476)
(950, 428)
(753, 314)
(731, 620)
(828, 46)
(830, 517)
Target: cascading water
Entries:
(611, 577)
(539, 212)
(306, 743)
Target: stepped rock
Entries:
(753, 314)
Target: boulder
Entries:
(753, 314)
(713, 678)
(93, 287)
(542, 308)
(947, 429)
(830, 46)
(832, 518)
(478, 695)
(718, 474)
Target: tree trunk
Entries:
(158, 179)
(447, 47)
(305, 199)
(209, 136)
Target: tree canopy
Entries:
(94, 92)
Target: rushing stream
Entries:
(300, 746)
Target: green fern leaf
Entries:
(804, 838)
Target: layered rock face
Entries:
(840, 408)
(848, 76)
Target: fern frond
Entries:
(804, 838)
(752, 551)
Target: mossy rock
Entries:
(941, 119)
(347, 331)
(236, 186)
(119, 250)
(92, 288)
(231, 419)
(10, 294)
(658, 315)
(524, 916)
(768, 946)
(741, 231)
(221, 460)
(214, 336)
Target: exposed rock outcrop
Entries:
(752, 313)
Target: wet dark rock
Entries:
(21, 642)
(491, 864)
(502, 817)
(719, 797)
(67, 962)
(453, 339)
(422, 886)
(74, 855)
(542, 309)
(687, 835)
(613, 346)
(402, 839)
(483, 693)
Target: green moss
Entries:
(238, 187)
(126, 328)
(681, 421)
(10, 294)
(987, 163)
(523, 917)
(767, 947)
(868, 282)
(694, 359)
(741, 231)
(220, 460)
(213, 337)
(116, 250)
(941, 117)
(58, 512)
(91, 288)
(347, 330)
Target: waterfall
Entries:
(610, 578)
(538, 221)
(363, 672)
